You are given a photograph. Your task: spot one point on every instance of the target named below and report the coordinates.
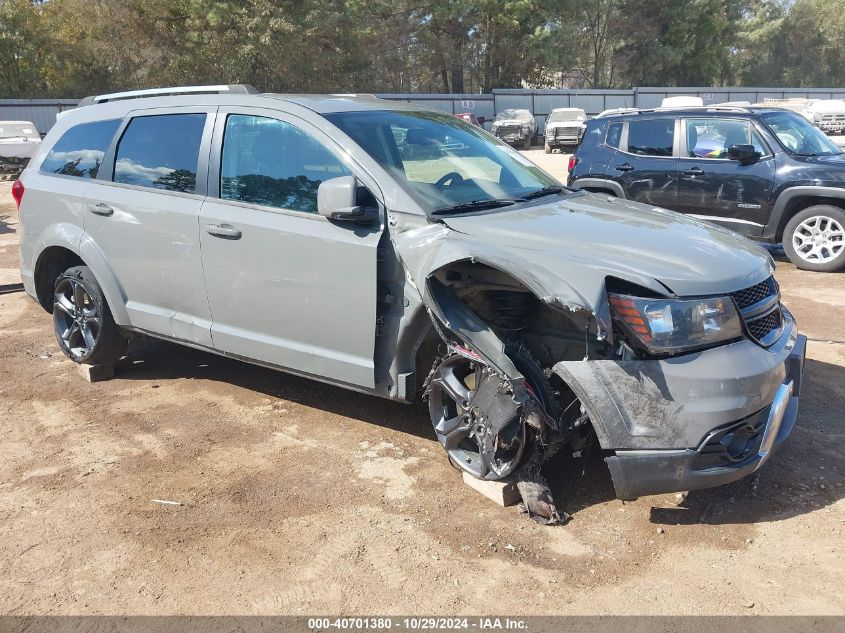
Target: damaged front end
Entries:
(534, 363)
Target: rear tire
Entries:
(814, 239)
(84, 326)
(527, 143)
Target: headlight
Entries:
(665, 326)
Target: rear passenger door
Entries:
(142, 214)
(646, 164)
(286, 286)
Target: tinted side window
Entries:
(273, 163)
(80, 150)
(161, 152)
(614, 134)
(651, 138)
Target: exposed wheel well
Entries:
(514, 313)
(52, 261)
(600, 190)
(799, 203)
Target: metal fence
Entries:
(42, 112)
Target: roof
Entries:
(17, 123)
(696, 111)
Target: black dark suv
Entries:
(764, 172)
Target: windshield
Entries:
(442, 161)
(799, 136)
(571, 115)
(18, 130)
(513, 114)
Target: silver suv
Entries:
(398, 251)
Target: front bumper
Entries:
(558, 141)
(691, 422)
(831, 127)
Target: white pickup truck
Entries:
(19, 140)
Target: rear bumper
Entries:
(694, 422)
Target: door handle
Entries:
(101, 208)
(694, 171)
(624, 167)
(226, 231)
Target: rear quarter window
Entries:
(614, 135)
(79, 151)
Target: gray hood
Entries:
(625, 239)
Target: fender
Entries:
(599, 183)
(777, 220)
(113, 291)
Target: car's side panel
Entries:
(293, 289)
(150, 240)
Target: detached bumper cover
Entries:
(692, 422)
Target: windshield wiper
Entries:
(545, 191)
(476, 205)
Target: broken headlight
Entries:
(668, 326)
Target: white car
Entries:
(19, 140)
(564, 128)
(828, 115)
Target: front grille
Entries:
(566, 132)
(759, 306)
(753, 294)
(506, 130)
(761, 327)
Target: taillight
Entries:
(17, 192)
(573, 160)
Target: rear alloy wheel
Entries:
(476, 420)
(85, 329)
(814, 239)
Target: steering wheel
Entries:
(453, 177)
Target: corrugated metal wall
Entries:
(42, 112)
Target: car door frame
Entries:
(622, 153)
(306, 124)
(191, 329)
(736, 223)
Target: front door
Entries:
(142, 212)
(646, 165)
(714, 188)
(286, 286)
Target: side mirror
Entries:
(481, 120)
(745, 154)
(337, 200)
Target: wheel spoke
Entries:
(72, 333)
(88, 337)
(78, 296)
(63, 303)
(452, 385)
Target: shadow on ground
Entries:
(790, 484)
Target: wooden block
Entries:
(96, 373)
(503, 493)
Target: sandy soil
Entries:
(301, 498)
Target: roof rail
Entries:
(164, 92)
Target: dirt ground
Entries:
(299, 498)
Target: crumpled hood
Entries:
(622, 238)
